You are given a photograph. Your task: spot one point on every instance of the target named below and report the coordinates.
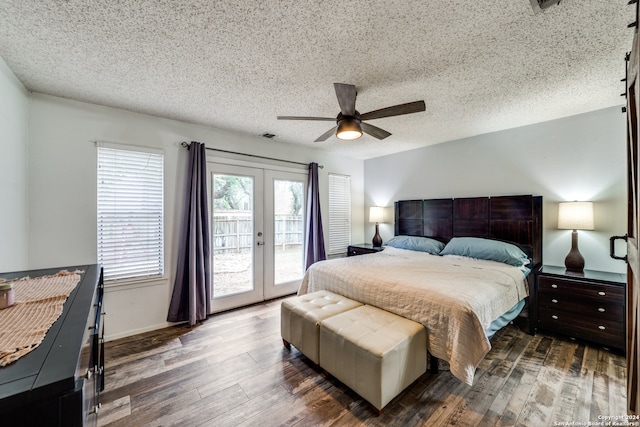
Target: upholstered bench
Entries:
(301, 316)
(375, 353)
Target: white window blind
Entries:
(339, 213)
(130, 213)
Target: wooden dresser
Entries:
(589, 306)
(59, 383)
(362, 249)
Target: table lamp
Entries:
(376, 214)
(575, 216)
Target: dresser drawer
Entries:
(581, 290)
(592, 328)
(588, 305)
(606, 307)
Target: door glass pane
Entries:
(288, 230)
(232, 234)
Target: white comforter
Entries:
(455, 298)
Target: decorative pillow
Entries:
(416, 243)
(492, 250)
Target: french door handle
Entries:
(612, 247)
(259, 243)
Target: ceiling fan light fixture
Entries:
(350, 124)
(349, 129)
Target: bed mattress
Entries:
(455, 298)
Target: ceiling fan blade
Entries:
(327, 134)
(374, 131)
(396, 110)
(346, 98)
(324, 119)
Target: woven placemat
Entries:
(38, 304)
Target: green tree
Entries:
(296, 195)
(231, 192)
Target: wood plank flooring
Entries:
(232, 370)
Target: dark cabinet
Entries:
(362, 248)
(59, 383)
(589, 306)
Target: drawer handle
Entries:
(602, 328)
(601, 310)
(89, 373)
(601, 293)
(554, 317)
(555, 301)
(554, 286)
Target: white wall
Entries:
(14, 214)
(48, 177)
(62, 191)
(581, 157)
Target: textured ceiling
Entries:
(480, 66)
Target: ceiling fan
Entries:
(350, 123)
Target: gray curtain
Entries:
(314, 241)
(192, 288)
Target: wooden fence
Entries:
(232, 232)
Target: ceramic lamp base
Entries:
(574, 260)
(377, 240)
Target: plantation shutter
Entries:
(339, 213)
(130, 212)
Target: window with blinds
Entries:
(130, 212)
(339, 213)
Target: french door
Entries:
(257, 232)
(633, 227)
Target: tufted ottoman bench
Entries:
(300, 319)
(375, 353)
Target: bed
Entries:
(460, 298)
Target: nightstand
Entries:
(589, 306)
(361, 249)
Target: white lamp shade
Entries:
(376, 214)
(575, 215)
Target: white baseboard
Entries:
(112, 337)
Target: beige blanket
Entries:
(38, 303)
(455, 298)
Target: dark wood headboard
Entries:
(513, 219)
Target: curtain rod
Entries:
(186, 145)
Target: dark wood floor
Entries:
(233, 370)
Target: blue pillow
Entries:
(416, 243)
(492, 250)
